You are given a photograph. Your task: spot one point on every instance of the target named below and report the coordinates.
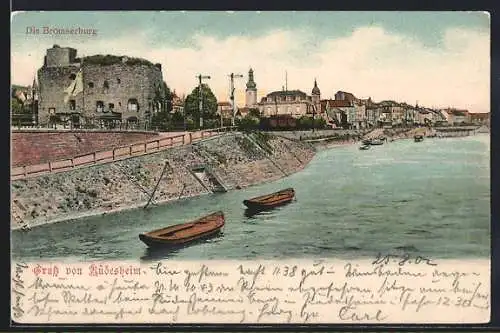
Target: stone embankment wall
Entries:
(341, 134)
(238, 160)
(35, 147)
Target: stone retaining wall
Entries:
(235, 158)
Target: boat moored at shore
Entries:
(270, 201)
(181, 234)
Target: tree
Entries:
(191, 106)
(16, 106)
(167, 97)
(305, 122)
(163, 119)
(248, 123)
(254, 112)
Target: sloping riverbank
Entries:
(228, 162)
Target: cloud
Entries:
(368, 62)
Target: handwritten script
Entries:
(389, 289)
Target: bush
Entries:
(248, 123)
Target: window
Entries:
(111, 107)
(268, 110)
(118, 80)
(72, 76)
(106, 84)
(133, 105)
(99, 106)
(91, 84)
(72, 104)
(297, 109)
(289, 110)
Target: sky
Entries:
(438, 59)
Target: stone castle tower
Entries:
(98, 90)
(316, 97)
(251, 91)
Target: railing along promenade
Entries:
(115, 154)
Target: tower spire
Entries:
(251, 83)
(315, 90)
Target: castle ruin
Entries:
(98, 91)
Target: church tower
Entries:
(316, 96)
(251, 91)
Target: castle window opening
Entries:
(106, 84)
(133, 105)
(118, 80)
(91, 84)
(72, 104)
(111, 107)
(99, 106)
(72, 76)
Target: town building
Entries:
(480, 118)
(346, 96)
(457, 116)
(225, 110)
(350, 110)
(178, 103)
(337, 112)
(26, 113)
(294, 103)
(99, 90)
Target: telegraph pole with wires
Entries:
(232, 77)
(200, 96)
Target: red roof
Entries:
(479, 115)
(335, 103)
(347, 95)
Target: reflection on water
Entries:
(431, 197)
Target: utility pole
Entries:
(233, 76)
(200, 97)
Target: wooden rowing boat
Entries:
(269, 201)
(364, 147)
(180, 234)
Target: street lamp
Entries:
(233, 76)
(200, 97)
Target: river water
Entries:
(430, 198)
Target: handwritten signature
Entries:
(18, 290)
